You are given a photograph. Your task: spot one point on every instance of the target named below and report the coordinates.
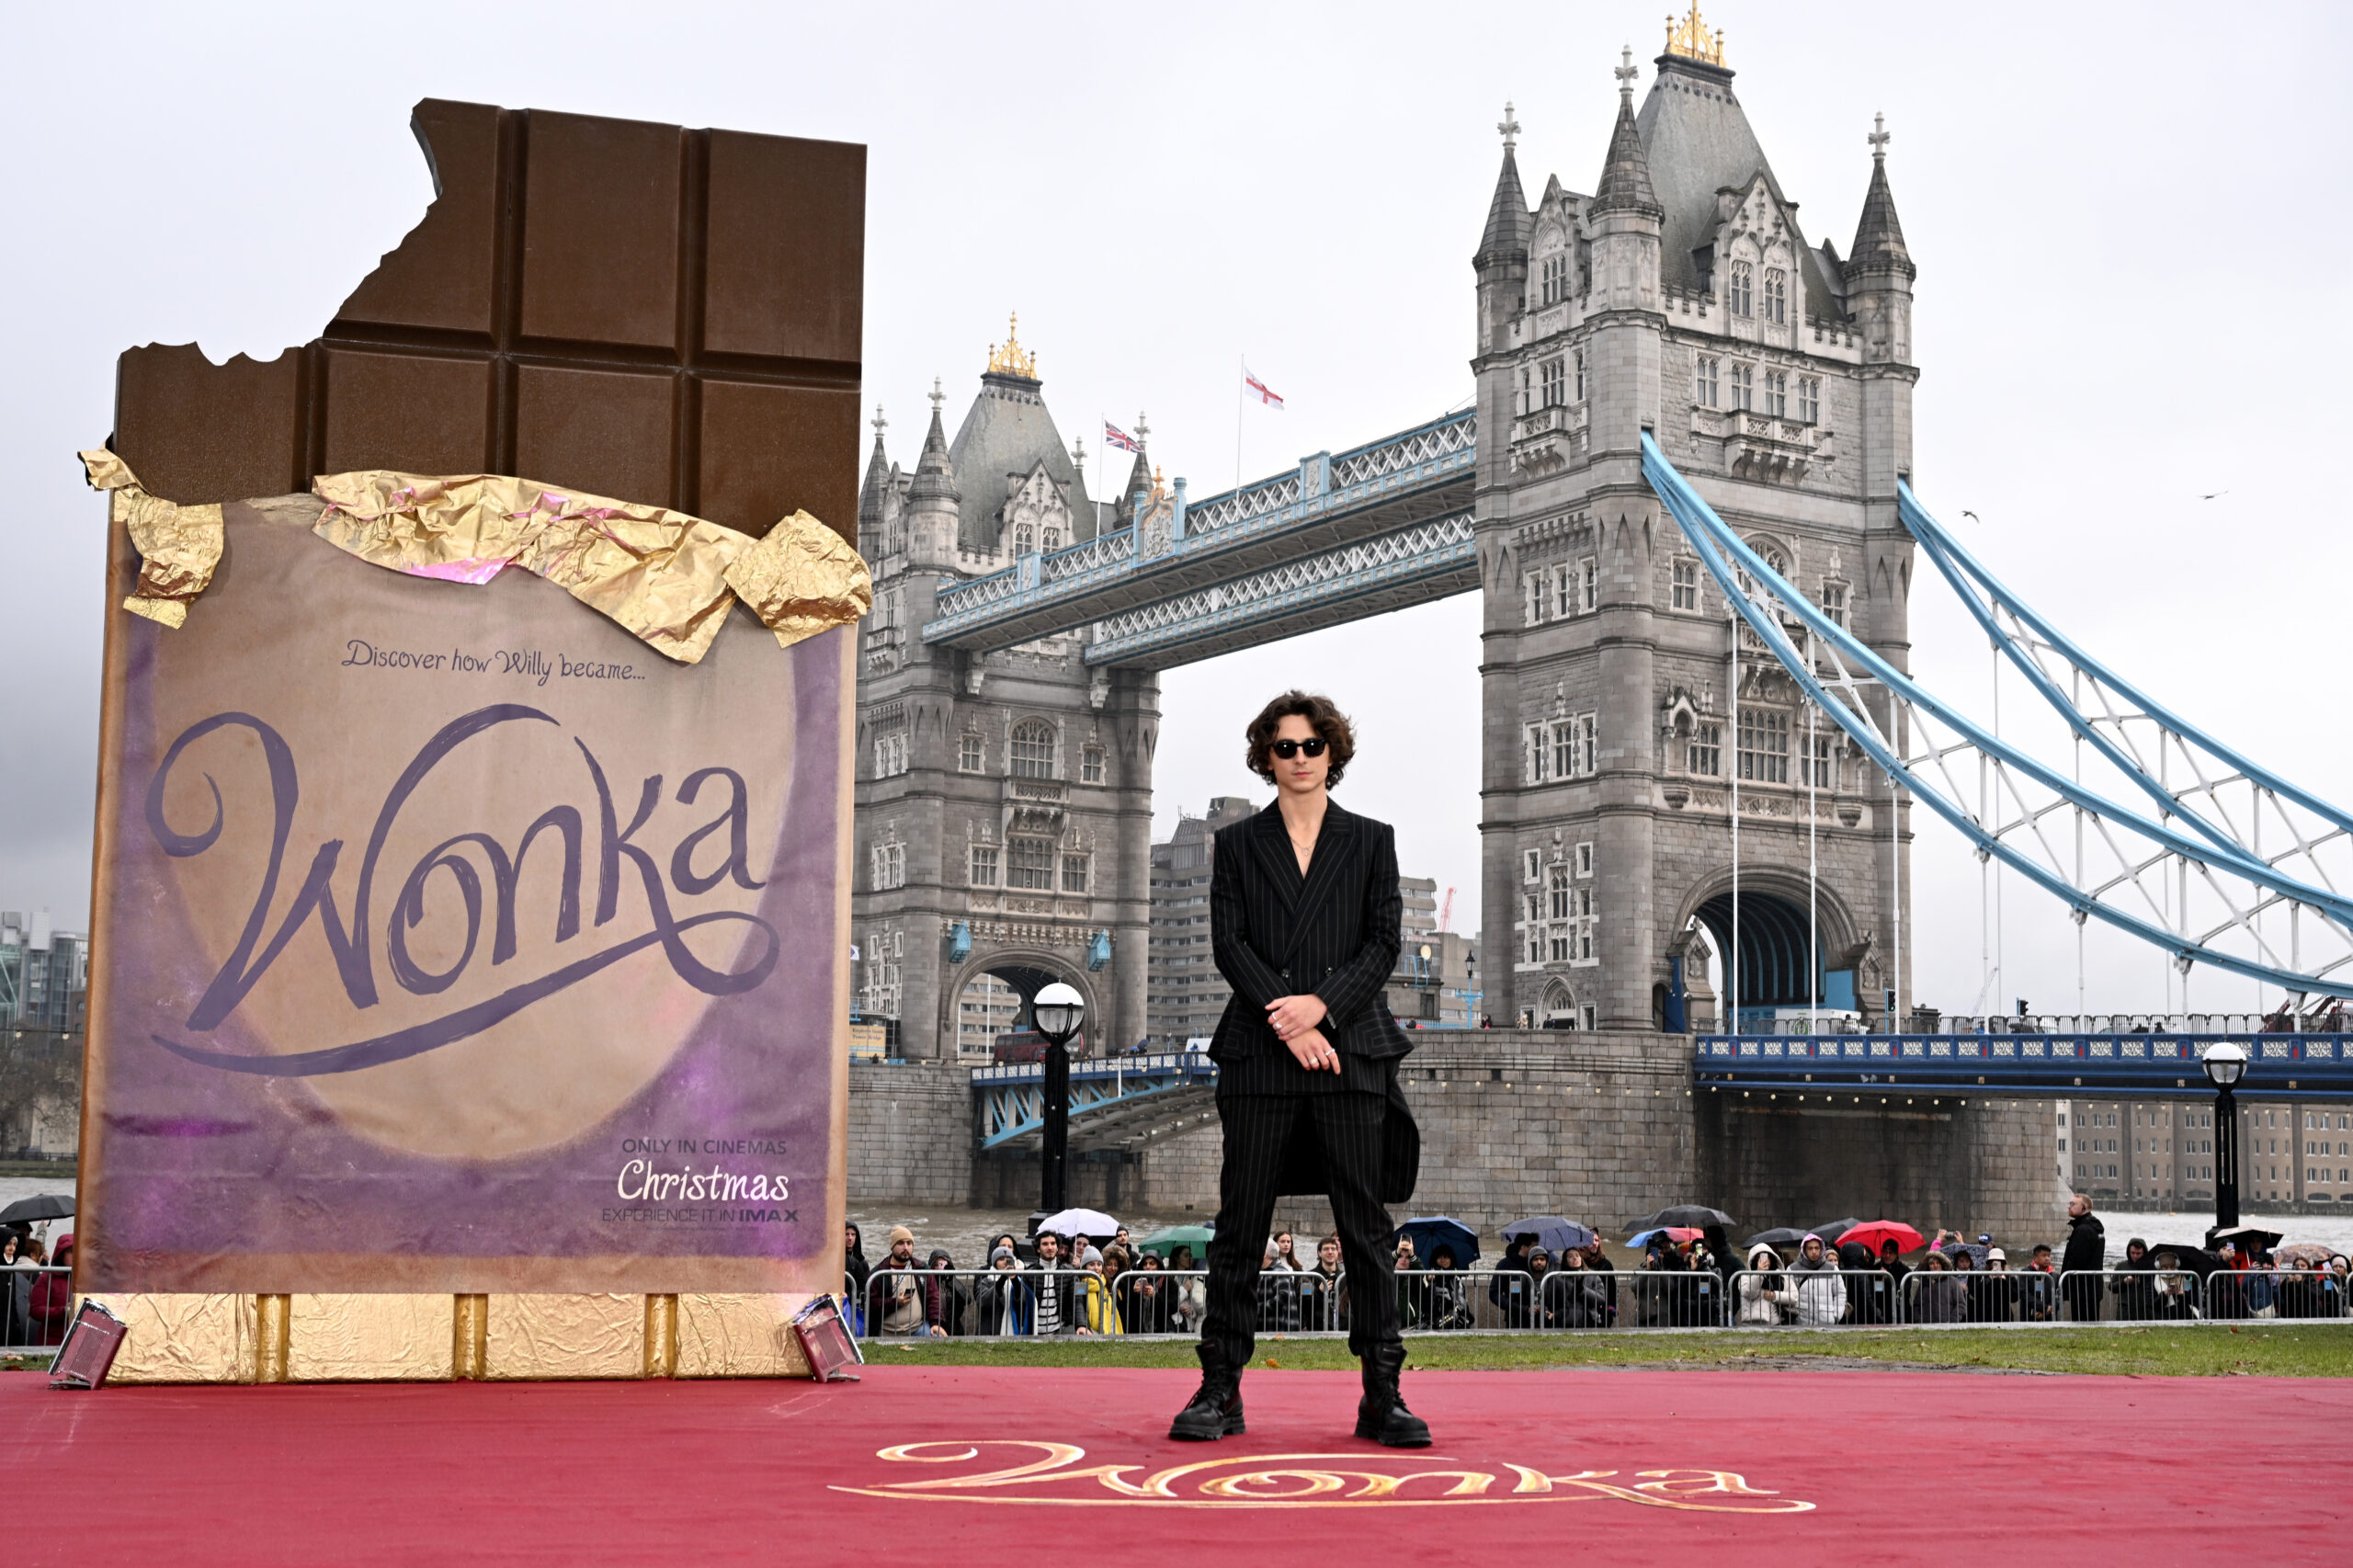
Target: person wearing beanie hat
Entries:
(899, 1298)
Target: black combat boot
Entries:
(1381, 1414)
(1216, 1408)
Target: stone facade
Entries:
(2294, 1157)
(1003, 800)
(1683, 300)
(1969, 1163)
(1600, 1125)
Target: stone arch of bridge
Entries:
(1028, 971)
(1772, 945)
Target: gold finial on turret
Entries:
(1689, 37)
(1011, 359)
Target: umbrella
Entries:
(1552, 1233)
(1430, 1232)
(1174, 1236)
(2303, 1255)
(1697, 1216)
(48, 1206)
(1091, 1222)
(1835, 1231)
(2197, 1260)
(1776, 1239)
(2251, 1238)
(1676, 1233)
(1876, 1234)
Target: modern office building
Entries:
(44, 973)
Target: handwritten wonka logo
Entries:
(1299, 1481)
(618, 855)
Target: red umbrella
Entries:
(1872, 1233)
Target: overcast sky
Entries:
(2126, 220)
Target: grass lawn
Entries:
(2317, 1351)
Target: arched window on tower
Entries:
(1740, 292)
(1033, 749)
(1555, 271)
(1777, 296)
(1051, 539)
(1025, 537)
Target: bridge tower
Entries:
(1682, 298)
(1004, 798)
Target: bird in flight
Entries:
(1972, 516)
(2210, 497)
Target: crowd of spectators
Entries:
(35, 1299)
(1078, 1286)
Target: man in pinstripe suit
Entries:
(1304, 912)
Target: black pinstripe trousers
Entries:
(1257, 1128)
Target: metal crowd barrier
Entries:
(2253, 1294)
(35, 1300)
(971, 1303)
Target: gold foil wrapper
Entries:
(356, 1338)
(739, 1336)
(179, 547)
(666, 578)
(537, 1337)
(660, 574)
(801, 578)
(184, 1338)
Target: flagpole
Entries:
(1237, 425)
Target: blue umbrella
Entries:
(1430, 1232)
(1552, 1233)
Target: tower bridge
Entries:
(1684, 489)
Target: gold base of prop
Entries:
(373, 1338)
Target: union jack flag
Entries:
(1115, 437)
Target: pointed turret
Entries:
(1624, 219)
(1123, 510)
(872, 494)
(1879, 237)
(1626, 173)
(1509, 221)
(933, 499)
(934, 477)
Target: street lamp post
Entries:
(2224, 1064)
(1056, 1013)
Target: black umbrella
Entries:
(2250, 1238)
(1694, 1215)
(1837, 1228)
(1776, 1239)
(47, 1206)
(2195, 1260)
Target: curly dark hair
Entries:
(1318, 710)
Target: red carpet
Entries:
(1638, 1467)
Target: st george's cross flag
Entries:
(1115, 437)
(1260, 391)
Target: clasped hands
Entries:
(1296, 1021)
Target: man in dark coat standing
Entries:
(1304, 911)
(2088, 1253)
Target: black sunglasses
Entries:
(1288, 749)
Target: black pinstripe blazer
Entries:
(1333, 932)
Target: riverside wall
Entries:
(1598, 1125)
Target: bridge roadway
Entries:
(2090, 1066)
(1340, 538)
